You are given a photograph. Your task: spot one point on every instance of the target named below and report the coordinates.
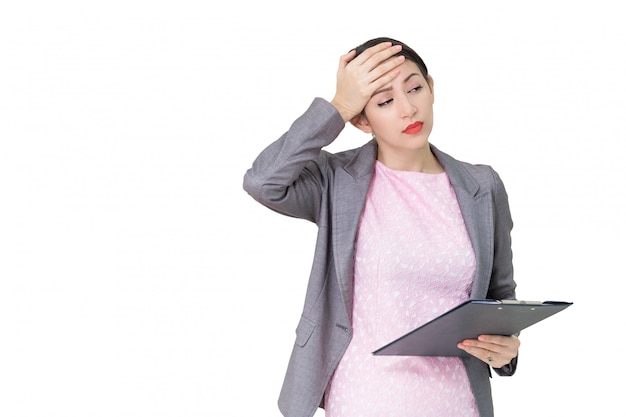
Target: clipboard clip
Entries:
(533, 303)
(519, 302)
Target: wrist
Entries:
(346, 114)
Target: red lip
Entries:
(413, 128)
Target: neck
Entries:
(420, 160)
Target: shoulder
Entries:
(470, 175)
(356, 161)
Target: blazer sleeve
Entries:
(288, 176)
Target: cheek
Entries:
(378, 117)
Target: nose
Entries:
(405, 106)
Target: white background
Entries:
(138, 279)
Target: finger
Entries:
(501, 342)
(385, 72)
(481, 352)
(372, 51)
(491, 358)
(384, 54)
(480, 348)
(373, 57)
(494, 339)
(383, 61)
(346, 58)
(373, 63)
(486, 355)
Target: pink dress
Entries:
(414, 261)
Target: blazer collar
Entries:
(457, 173)
(362, 164)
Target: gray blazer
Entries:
(295, 177)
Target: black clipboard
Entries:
(468, 320)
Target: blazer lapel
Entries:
(350, 191)
(477, 211)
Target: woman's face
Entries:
(400, 114)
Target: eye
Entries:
(415, 89)
(384, 103)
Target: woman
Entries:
(405, 232)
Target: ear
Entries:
(360, 122)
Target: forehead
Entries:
(407, 68)
(409, 72)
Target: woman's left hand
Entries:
(496, 351)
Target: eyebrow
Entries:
(382, 90)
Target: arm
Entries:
(288, 175)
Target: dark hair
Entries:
(406, 51)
